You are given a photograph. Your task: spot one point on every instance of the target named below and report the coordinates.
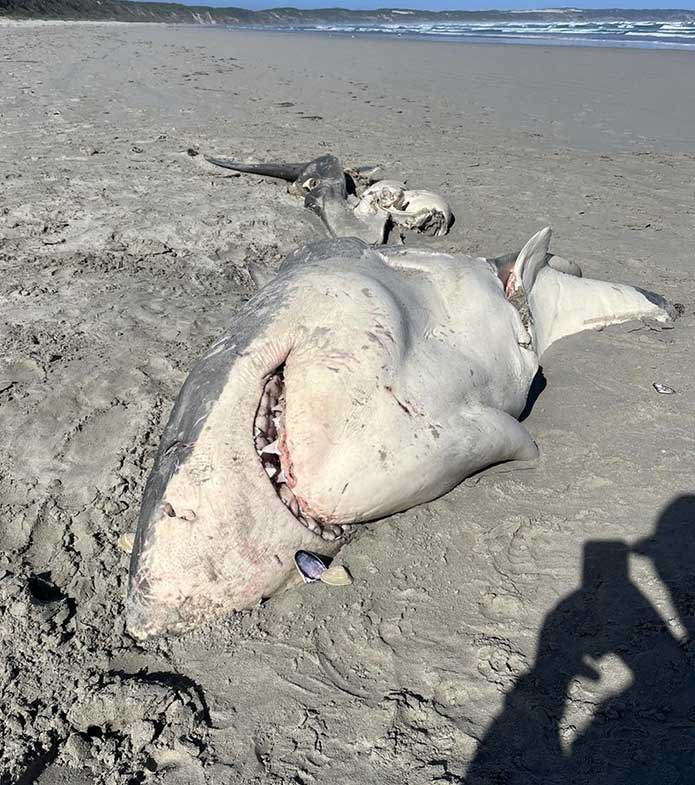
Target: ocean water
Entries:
(645, 33)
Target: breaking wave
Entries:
(650, 33)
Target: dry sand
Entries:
(122, 258)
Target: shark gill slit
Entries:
(270, 442)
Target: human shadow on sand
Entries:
(644, 734)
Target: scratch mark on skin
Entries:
(385, 331)
(404, 407)
(400, 403)
(375, 339)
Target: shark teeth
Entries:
(268, 433)
(271, 449)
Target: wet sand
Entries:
(123, 258)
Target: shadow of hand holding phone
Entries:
(645, 733)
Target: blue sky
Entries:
(437, 5)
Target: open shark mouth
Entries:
(270, 441)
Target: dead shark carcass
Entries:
(357, 383)
(352, 202)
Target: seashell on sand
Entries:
(336, 575)
(309, 565)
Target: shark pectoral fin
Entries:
(496, 437)
(531, 259)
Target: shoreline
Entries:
(559, 42)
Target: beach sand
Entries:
(122, 258)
